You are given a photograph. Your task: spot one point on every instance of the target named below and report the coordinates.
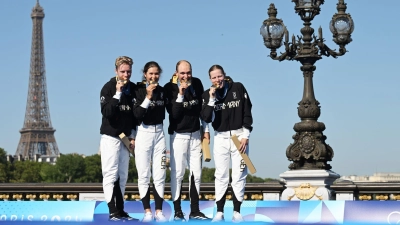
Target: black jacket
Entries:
(184, 116)
(155, 113)
(231, 112)
(117, 114)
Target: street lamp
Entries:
(309, 150)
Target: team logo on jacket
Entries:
(161, 95)
(124, 108)
(157, 103)
(190, 103)
(102, 99)
(231, 104)
(234, 95)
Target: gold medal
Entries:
(153, 82)
(123, 81)
(216, 86)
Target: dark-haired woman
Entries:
(150, 153)
(228, 107)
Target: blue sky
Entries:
(358, 92)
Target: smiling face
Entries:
(124, 72)
(152, 75)
(184, 72)
(217, 78)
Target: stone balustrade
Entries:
(270, 191)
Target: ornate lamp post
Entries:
(309, 150)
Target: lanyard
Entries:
(225, 91)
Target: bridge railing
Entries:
(342, 190)
(94, 191)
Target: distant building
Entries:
(52, 159)
(377, 177)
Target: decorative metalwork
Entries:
(257, 197)
(382, 197)
(395, 197)
(309, 150)
(58, 197)
(30, 197)
(72, 197)
(305, 191)
(37, 134)
(365, 197)
(44, 197)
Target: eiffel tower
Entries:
(37, 134)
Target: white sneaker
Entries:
(219, 217)
(160, 217)
(148, 217)
(237, 217)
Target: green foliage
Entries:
(5, 174)
(71, 167)
(26, 172)
(3, 156)
(207, 175)
(50, 174)
(92, 170)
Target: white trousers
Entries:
(114, 164)
(185, 152)
(150, 151)
(224, 150)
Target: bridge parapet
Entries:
(270, 191)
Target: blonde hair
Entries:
(123, 60)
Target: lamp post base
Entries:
(303, 185)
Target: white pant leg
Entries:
(110, 149)
(239, 172)
(195, 161)
(123, 168)
(159, 163)
(221, 159)
(143, 152)
(178, 160)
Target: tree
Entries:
(207, 175)
(50, 173)
(92, 170)
(71, 167)
(16, 171)
(3, 156)
(4, 170)
(31, 172)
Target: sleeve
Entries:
(204, 126)
(207, 109)
(109, 104)
(177, 106)
(247, 116)
(140, 104)
(174, 104)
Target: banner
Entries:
(288, 212)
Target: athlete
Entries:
(184, 105)
(228, 107)
(116, 98)
(150, 153)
